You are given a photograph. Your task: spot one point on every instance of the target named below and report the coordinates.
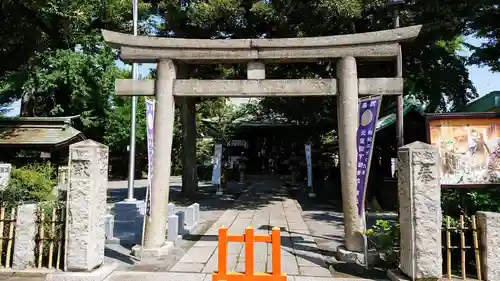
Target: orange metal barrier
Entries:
(249, 238)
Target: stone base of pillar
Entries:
(126, 224)
(219, 190)
(397, 275)
(312, 194)
(347, 256)
(138, 251)
(99, 274)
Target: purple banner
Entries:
(368, 115)
(150, 117)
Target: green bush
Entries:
(385, 236)
(204, 154)
(29, 184)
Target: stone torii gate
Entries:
(166, 52)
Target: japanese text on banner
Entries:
(150, 117)
(368, 115)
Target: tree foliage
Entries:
(434, 73)
(484, 24)
(54, 59)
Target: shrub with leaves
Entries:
(28, 184)
(385, 236)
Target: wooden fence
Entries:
(461, 238)
(49, 236)
(7, 234)
(49, 252)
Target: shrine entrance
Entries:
(171, 53)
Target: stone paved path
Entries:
(266, 204)
(300, 255)
(180, 276)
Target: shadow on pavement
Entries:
(207, 198)
(321, 211)
(113, 254)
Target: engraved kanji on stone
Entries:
(424, 162)
(80, 154)
(425, 174)
(103, 161)
(80, 168)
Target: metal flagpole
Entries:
(399, 74)
(365, 239)
(135, 76)
(148, 195)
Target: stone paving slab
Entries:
(198, 255)
(175, 276)
(299, 253)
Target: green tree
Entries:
(56, 62)
(66, 83)
(434, 73)
(484, 24)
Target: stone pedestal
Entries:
(357, 257)
(489, 227)
(420, 218)
(24, 242)
(128, 221)
(88, 161)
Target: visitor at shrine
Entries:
(294, 166)
(242, 166)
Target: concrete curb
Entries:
(99, 274)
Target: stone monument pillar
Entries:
(489, 225)
(347, 78)
(420, 215)
(155, 235)
(88, 180)
(5, 171)
(24, 242)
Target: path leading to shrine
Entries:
(265, 205)
(299, 253)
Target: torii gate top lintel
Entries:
(378, 44)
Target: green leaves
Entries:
(484, 22)
(29, 184)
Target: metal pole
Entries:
(399, 74)
(135, 75)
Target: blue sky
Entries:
(484, 80)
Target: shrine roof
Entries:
(38, 131)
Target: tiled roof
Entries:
(50, 131)
(387, 120)
(487, 103)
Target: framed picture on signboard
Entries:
(469, 147)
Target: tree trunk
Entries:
(188, 119)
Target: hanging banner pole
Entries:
(309, 170)
(217, 168)
(150, 117)
(369, 109)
